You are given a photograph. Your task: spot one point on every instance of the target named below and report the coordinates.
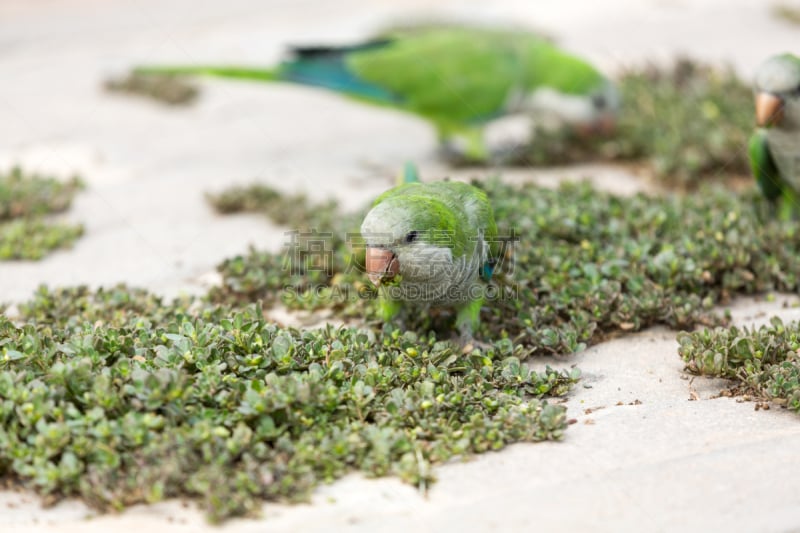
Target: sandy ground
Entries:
(662, 463)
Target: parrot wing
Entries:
(452, 76)
(763, 166)
(461, 75)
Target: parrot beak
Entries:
(769, 109)
(607, 125)
(603, 126)
(382, 264)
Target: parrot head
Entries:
(777, 88)
(600, 115)
(415, 238)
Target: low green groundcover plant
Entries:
(585, 265)
(119, 398)
(764, 361)
(24, 200)
(689, 121)
(787, 13)
(168, 90)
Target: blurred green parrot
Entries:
(775, 146)
(458, 78)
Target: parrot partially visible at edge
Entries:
(432, 245)
(775, 146)
(458, 78)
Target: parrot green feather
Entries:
(243, 73)
(456, 76)
(763, 166)
(410, 173)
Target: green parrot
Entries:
(458, 78)
(432, 245)
(775, 146)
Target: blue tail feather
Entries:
(327, 68)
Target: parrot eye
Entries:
(411, 236)
(599, 101)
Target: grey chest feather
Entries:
(784, 145)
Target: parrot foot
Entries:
(468, 343)
(455, 156)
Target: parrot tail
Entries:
(327, 67)
(243, 73)
(317, 66)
